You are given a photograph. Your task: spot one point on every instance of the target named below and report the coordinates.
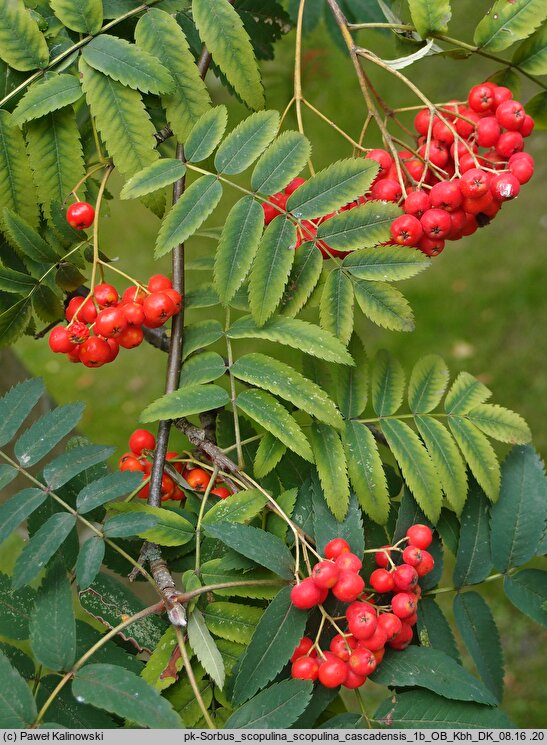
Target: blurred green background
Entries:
(482, 305)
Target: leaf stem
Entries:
(237, 432)
(491, 578)
(186, 597)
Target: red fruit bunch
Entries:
(468, 160)
(103, 322)
(141, 444)
(374, 620)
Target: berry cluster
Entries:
(468, 161)
(141, 446)
(385, 615)
(103, 322)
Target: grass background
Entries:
(482, 304)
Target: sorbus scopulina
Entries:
(80, 215)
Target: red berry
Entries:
(276, 205)
(438, 153)
(110, 323)
(325, 574)
(488, 131)
(197, 479)
(510, 115)
(384, 160)
(457, 220)
(221, 492)
(141, 439)
(114, 349)
(130, 463)
(362, 661)
(420, 535)
(381, 580)
(505, 187)
(363, 624)
(332, 671)
(84, 308)
(80, 215)
(521, 169)
(348, 587)
(527, 126)
(474, 183)
(305, 668)
(501, 94)
(353, 680)
(412, 555)
(159, 282)
(94, 352)
(475, 206)
(481, 98)
(406, 230)
(387, 190)
(382, 557)
(133, 295)
(403, 604)
(443, 133)
(334, 548)
(416, 203)
(348, 562)
(426, 565)
(415, 168)
(446, 195)
(431, 246)
(470, 226)
(357, 608)
(509, 143)
(106, 295)
(306, 594)
(342, 646)
(295, 184)
(435, 223)
(405, 577)
(403, 637)
(422, 121)
(59, 340)
(176, 297)
(158, 307)
(390, 624)
(78, 332)
(134, 313)
(130, 337)
(377, 640)
(167, 487)
(303, 647)
(467, 122)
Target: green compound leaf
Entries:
(531, 55)
(15, 609)
(41, 547)
(17, 705)
(269, 453)
(366, 226)
(430, 16)
(331, 465)
(446, 459)
(428, 381)
(246, 142)
(27, 240)
(127, 64)
(274, 417)
(465, 393)
(366, 471)
(52, 626)
(106, 489)
(206, 134)
(212, 572)
(430, 668)
(284, 381)
(237, 247)
(325, 525)
(352, 382)
(7, 475)
(89, 561)
(425, 710)
(303, 278)
(155, 176)
(125, 694)
(200, 334)
(186, 216)
(271, 268)
(508, 22)
(169, 528)
(332, 188)
(204, 647)
(16, 405)
(502, 424)
(478, 453)
(159, 34)
(388, 384)
(240, 508)
(122, 120)
(16, 509)
(526, 590)
(50, 94)
(274, 640)
(129, 525)
(63, 468)
(434, 629)
(16, 282)
(384, 305)
(192, 399)
(537, 108)
(202, 368)
(85, 16)
(22, 44)
(282, 161)
(16, 187)
(295, 333)
(56, 156)
(232, 621)
(47, 304)
(42, 436)
(416, 466)
(336, 309)
(517, 519)
(221, 30)
(261, 547)
(14, 321)
(480, 634)
(473, 560)
(277, 706)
